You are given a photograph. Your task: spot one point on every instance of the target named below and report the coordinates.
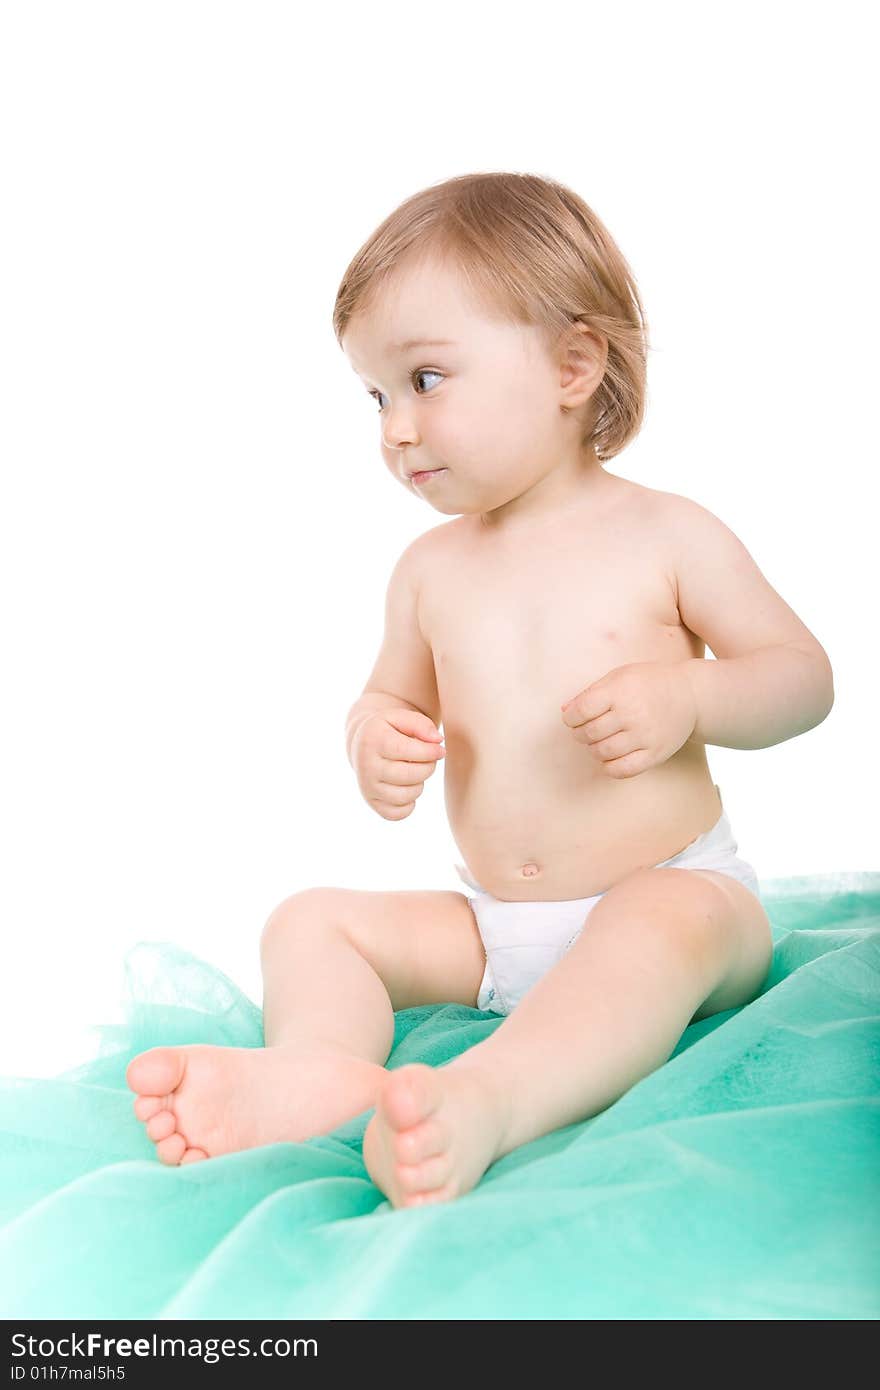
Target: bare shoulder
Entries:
(421, 554)
(441, 536)
(656, 517)
(441, 541)
(654, 504)
(676, 510)
(634, 503)
(434, 541)
(678, 523)
(629, 503)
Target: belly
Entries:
(515, 630)
(536, 828)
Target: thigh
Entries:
(752, 938)
(424, 945)
(718, 922)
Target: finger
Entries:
(396, 796)
(403, 774)
(595, 730)
(410, 721)
(617, 746)
(576, 716)
(414, 750)
(630, 765)
(389, 812)
(588, 705)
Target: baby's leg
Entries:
(660, 948)
(336, 965)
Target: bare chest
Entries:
(516, 630)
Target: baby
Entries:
(555, 626)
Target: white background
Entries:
(196, 527)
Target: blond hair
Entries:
(533, 252)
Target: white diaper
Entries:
(525, 940)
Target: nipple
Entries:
(529, 869)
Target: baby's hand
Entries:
(635, 717)
(393, 754)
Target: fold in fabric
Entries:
(739, 1180)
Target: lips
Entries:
(425, 474)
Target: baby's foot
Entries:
(434, 1133)
(200, 1101)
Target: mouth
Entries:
(426, 476)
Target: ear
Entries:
(583, 354)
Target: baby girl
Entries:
(555, 627)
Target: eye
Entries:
(421, 371)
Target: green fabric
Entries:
(740, 1180)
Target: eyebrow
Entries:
(416, 342)
(421, 342)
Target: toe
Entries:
(157, 1072)
(161, 1125)
(172, 1149)
(421, 1199)
(423, 1141)
(410, 1095)
(193, 1156)
(145, 1107)
(423, 1177)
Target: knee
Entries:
(696, 918)
(305, 908)
(674, 907)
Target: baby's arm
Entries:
(392, 739)
(403, 675)
(772, 679)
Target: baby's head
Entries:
(529, 369)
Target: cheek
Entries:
(496, 441)
(498, 421)
(531, 408)
(514, 411)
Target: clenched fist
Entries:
(635, 717)
(393, 753)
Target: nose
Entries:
(398, 431)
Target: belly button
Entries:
(529, 869)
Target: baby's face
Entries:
(484, 407)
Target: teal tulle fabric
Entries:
(740, 1180)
